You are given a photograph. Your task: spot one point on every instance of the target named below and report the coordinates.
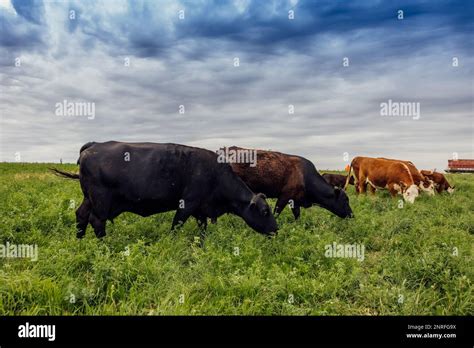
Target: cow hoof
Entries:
(100, 235)
(271, 234)
(80, 235)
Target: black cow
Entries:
(337, 180)
(149, 178)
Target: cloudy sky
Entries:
(238, 68)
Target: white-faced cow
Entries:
(440, 181)
(149, 178)
(383, 174)
(424, 183)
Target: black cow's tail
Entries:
(65, 174)
(348, 178)
(85, 146)
(73, 176)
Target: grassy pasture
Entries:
(418, 258)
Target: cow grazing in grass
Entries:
(424, 183)
(383, 174)
(293, 180)
(149, 178)
(440, 182)
(337, 180)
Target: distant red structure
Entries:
(460, 166)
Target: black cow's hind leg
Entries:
(202, 224)
(98, 225)
(101, 204)
(82, 217)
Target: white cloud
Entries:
(337, 108)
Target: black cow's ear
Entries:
(253, 201)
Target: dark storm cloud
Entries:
(31, 10)
(264, 26)
(189, 62)
(22, 30)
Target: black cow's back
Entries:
(147, 173)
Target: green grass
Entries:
(408, 255)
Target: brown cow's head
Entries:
(427, 185)
(409, 192)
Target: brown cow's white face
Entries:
(450, 190)
(430, 189)
(410, 194)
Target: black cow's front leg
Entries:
(202, 222)
(189, 206)
(180, 218)
(296, 211)
(280, 205)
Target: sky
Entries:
(299, 77)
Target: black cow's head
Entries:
(258, 215)
(338, 203)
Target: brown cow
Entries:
(337, 180)
(294, 180)
(440, 182)
(424, 183)
(383, 174)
